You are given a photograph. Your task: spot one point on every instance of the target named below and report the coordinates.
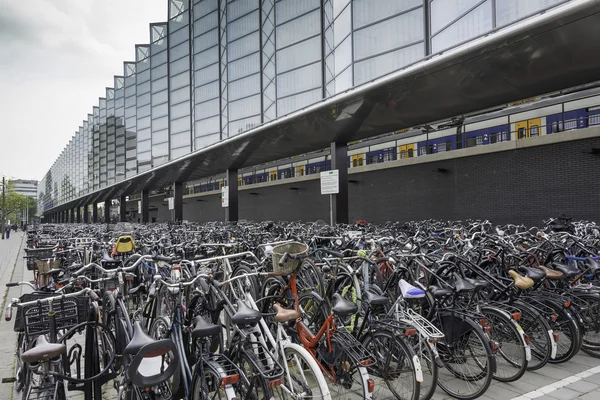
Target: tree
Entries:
(14, 203)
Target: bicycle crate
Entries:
(296, 250)
(69, 312)
(19, 320)
(38, 254)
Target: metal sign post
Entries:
(330, 184)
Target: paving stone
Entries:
(564, 394)
(584, 386)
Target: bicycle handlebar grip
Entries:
(8, 313)
(162, 258)
(12, 284)
(283, 259)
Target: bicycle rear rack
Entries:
(263, 361)
(422, 325)
(41, 392)
(353, 348)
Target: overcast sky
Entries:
(56, 59)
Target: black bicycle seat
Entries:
(245, 315)
(139, 340)
(204, 329)
(537, 275)
(439, 292)
(343, 307)
(462, 285)
(375, 299)
(567, 270)
(478, 283)
(593, 265)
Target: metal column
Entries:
(78, 215)
(95, 213)
(339, 161)
(145, 206)
(107, 211)
(72, 215)
(123, 209)
(178, 201)
(231, 214)
(86, 217)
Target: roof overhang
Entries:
(546, 53)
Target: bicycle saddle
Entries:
(521, 282)
(461, 285)
(593, 265)
(139, 340)
(551, 273)
(409, 291)
(203, 329)
(245, 315)
(375, 299)
(537, 275)
(43, 351)
(439, 292)
(283, 314)
(478, 283)
(343, 307)
(567, 270)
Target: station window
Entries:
(594, 119)
(535, 130)
(570, 124)
(479, 140)
(372, 160)
(389, 155)
(471, 142)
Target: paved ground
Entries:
(576, 379)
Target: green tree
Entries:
(14, 204)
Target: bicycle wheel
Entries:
(394, 373)
(590, 314)
(466, 361)
(422, 348)
(20, 367)
(309, 277)
(569, 336)
(511, 361)
(251, 384)
(210, 388)
(540, 337)
(304, 379)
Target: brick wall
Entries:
(521, 186)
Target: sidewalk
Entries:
(11, 269)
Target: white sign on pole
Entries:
(330, 182)
(225, 196)
(171, 203)
(139, 206)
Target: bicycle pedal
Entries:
(9, 380)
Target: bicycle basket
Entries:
(296, 250)
(69, 312)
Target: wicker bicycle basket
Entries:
(296, 251)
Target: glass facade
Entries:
(217, 68)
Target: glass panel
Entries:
(338, 6)
(445, 11)
(181, 139)
(244, 87)
(244, 66)
(143, 146)
(240, 7)
(143, 88)
(161, 58)
(160, 136)
(180, 80)
(206, 92)
(289, 9)
(180, 65)
(179, 51)
(299, 80)
(344, 81)
(205, 41)
(179, 95)
(298, 29)
(202, 142)
(477, 22)
(375, 67)
(388, 35)
(143, 99)
(161, 123)
(342, 26)
(207, 57)
(176, 153)
(160, 149)
(299, 54)
(208, 125)
(244, 46)
(143, 111)
(206, 23)
(180, 125)
(177, 23)
(159, 84)
(293, 103)
(160, 97)
(508, 11)
(343, 55)
(237, 127)
(206, 109)
(159, 110)
(180, 110)
(244, 108)
(368, 11)
(242, 26)
(130, 112)
(207, 74)
(143, 76)
(205, 6)
(143, 123)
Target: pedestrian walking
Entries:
(7, 232)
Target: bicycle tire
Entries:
(505, 334)
(590, 316)
(392, 350)
(422, 349)
(485, 376)
(254, 382)
(571, 331)
(537, 328)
